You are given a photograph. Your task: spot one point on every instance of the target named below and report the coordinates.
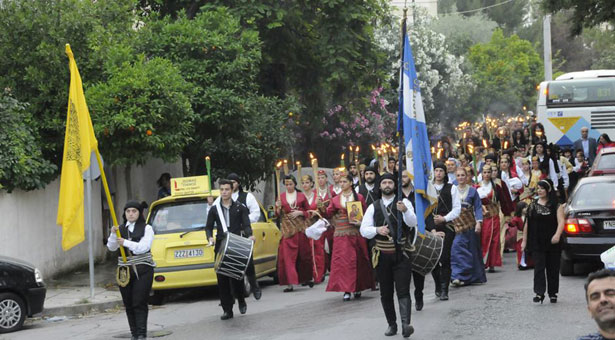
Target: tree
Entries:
(141, 111)
(462, 32)
(322, 52)
(506, 72)
(33, 63)
(585, 13)
(21, 162)
(239, 129)
(508, 15)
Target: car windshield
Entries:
(607, 161)
(179, 217)
(594, 195)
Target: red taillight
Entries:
(578, 225)
(159, 278)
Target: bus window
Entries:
(580, 92)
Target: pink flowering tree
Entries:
(347, 125)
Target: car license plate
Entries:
(608, 225)
(186, 253)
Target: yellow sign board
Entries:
(564, 123)
(195, 185)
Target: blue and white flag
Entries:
(412, 119)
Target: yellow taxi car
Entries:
(183, 256)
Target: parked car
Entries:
(604, 164)
(590, 222)
(22, 293)
(184, 258)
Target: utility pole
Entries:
(546, 31)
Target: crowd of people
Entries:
(500, 185)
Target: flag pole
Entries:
(400, 134)
(109, 201)
(88, 191)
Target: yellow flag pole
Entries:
(109, 201)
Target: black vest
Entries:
(136, 234)
(242, 198)
(445, 200)
(380, 220)
(369, 195)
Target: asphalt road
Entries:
(501, 309)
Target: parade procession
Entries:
(327, 169)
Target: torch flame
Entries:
(311, 155)
(471, 148)
(207, 158)
(373, 147)
(342, 156)
(485, 143)
(278, 164)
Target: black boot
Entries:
(436, 280)
(256, 289)
(392, 330)
(141, 322)
(405, 308)
(227, 315)
(444, 289)
(418, 304)
(130, 315)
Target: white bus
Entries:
(574, 100)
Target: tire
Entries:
(158, 298)
(12, 312)
(566, 267)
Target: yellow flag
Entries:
(79, 143)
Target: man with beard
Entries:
(600, 296)
(369, 189)
(393, 266)
(352, 168)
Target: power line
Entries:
(482, 8)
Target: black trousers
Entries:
(419, 284)
(229, 290)
(442, 273)
(135, 296)
(394, 276)
(251, 275)
(548, 262)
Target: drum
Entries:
(465, 221)
(234, 255)
(425, 253)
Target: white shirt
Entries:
(141, 247)
(585, 143)
(251, 203)
(456, 210)
(563, 173)
(368, 230)
(552, 173)
(368, 186)
(512, 183)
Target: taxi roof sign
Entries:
(194, 185)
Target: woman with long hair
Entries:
(351, 269)
(538, 134)
(493, 198)
(519, 139)
(467, 265)
(318, 246)
(541, 238)
(604, 142)
(294, 253)
(546, 163)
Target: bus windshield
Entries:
(581, 92)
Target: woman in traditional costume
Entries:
(318, 246)
(466, 256)
(350, 265)
(295, 252)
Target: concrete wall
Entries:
(28, 227)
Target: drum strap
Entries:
(221, 216)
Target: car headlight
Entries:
(38, 277)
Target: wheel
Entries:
(247, 288)
(158, 298)
(566, 267)
(12, 312)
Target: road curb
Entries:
(80, 309)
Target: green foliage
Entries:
(141, 111)
(462, 32)
(509, 16)
(33, 62)
(240, 130)
(585, 13)
(21, 162)
(506, 72)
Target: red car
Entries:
(604, 164)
